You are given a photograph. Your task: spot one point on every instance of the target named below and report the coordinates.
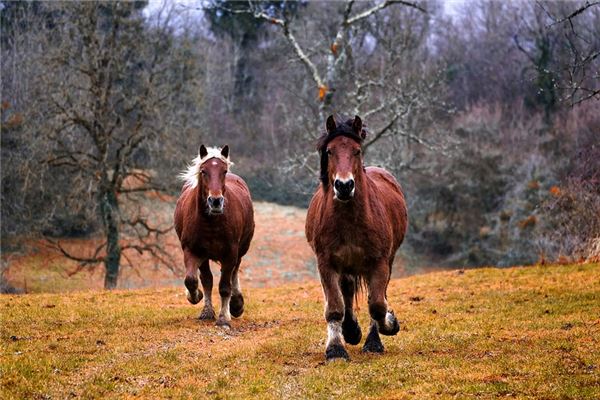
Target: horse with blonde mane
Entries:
(214, 220)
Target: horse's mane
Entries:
(341, 129)
(190, 175)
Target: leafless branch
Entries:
(381, 6)
(96, 258)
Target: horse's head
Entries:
(341, 156)
(214, 164)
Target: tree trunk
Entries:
(110, 217)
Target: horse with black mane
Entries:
(214, 220)
(356, 222)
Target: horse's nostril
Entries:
(215, 202)
(351, 184)
(337, 184)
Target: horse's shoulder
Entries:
(379, 175)
(235, 181)
(312, 215)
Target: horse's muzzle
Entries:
(343, 190)
(215, 204)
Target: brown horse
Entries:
(356, 222)
(214, 220)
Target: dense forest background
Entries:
(488, 113)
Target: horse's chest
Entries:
(211, 243)
(349, 256)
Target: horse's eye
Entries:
(328, 152)
(357, 152)
(203, 173)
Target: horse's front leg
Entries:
(227, 269)
(334, 312)
(350, 328)
(382, 320)
(193, 294)
(206, 277)
(236, 306)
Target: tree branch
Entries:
(381, 6)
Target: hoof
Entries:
(236, 305)
(351, 331)
(390, 326)
(207, 314)
(223, 323)
(194, 297)
(336, 352)
(373, 345)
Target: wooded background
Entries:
(488, 114)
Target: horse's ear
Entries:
(225, 151)
(357, 126)
(203, 151)
(330, 124)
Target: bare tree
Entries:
(106, 81)
(578, 23)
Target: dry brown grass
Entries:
(529, 332)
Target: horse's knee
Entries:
(377, 311)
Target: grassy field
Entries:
(530, 332)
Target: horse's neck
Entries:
(200, 201)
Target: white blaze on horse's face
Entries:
(213, 173)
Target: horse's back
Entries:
(393, 201)
(241, 192)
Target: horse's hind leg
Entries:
(191, 277)
(350, 327)
(378, 307)
(334, 313)
(236, 305)
(206, 277)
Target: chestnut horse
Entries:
(356, 222)
(214, 220)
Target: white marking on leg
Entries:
(224, 314)
(208, 301)
(389, 321)
(235, 284)
(334, 333)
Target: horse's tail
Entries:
(360, 287)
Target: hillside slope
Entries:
(278, 254)
(519, 332)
